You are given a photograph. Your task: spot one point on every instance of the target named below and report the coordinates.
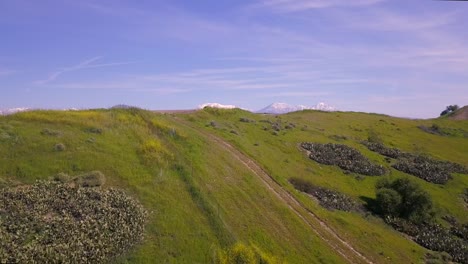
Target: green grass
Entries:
(281, 157)
(201, 200)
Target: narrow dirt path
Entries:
(320, 228)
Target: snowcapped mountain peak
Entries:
(283, 108)
(324, 107)
(13, 110)
(216, 105)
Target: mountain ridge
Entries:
(283, 108)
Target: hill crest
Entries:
(460, 114)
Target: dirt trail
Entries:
(320, 228)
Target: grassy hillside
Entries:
(280, 155)
(200, 199)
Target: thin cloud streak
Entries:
(87, 64)
(4, 73)
(287, 6)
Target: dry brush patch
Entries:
(57, 222)
(433, 237)
(426, 168)
(328, 199)
(343, 156)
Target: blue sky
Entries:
(403, 58)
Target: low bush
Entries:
(242, 254)
(338, 137)
(61, 177)
(59, 147)
(434, 129)
(246, 120)
(50, 132)
(54, 222)
(345, 157)
(90, 179)
(94, 130)
(328, 199)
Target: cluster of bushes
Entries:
(429, 169)
(338, 137)
(382, 150)
(242, 254)
(444, 131)
(62, 222)
(405, 199)
(246, 120)
(405, 206)
(426, 168)
(50, 132)
(460, 231)
(433, 237)
(342, 156)
(94, 130)
(328, 199)
(277, 125)
(408, 208)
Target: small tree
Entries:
(403, 198)
(449, 109)
(389, 201)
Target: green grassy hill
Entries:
(202, 197)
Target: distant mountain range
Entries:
(217, 105)
(276, 108)
(282, 108)
(13, 110)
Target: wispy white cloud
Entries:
(5, 72)
(87, 64)
(387, 20)
(303, 5)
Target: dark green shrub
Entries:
(404, 198)
(94, 130)
(342, 156)
(338, 137)
(389, 201)
(50, 132)
(53, 222)
(449, 109)
(90, 179)
(59, 147)
(246, 120)
(61, 177)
